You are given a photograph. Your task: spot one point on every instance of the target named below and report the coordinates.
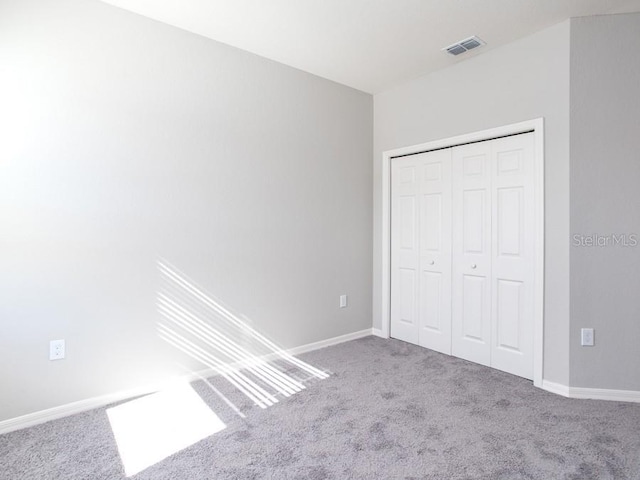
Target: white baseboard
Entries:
(378, 333)
(605, 394)
(592, 393)
(61, 411)
(557, 388)
(331, 341)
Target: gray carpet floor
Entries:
(389, 410)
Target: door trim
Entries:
(537, 127)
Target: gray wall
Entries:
(605, 199)
(521, 81)
(126, 141)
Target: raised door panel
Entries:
(510, 221)
(432, 216)
(431, 298)
(474, 221)
(406, 211)
(473, 306)
(407, 290)
(509, 315)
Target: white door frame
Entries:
(537, 127)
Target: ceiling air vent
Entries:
(464, 45)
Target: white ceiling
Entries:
(370, 45)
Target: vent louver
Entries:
(464, 46)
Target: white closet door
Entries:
(405, 254)
(435, 250)
(512, 251)
(462, 252)
(421, 249)
(471, 286)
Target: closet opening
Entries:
(463, 247)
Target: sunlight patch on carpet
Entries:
(151, 428)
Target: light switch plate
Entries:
(587, 339)
(343, 301)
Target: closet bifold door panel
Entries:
(405, 255)
(471, 287)
(513, 247)
(421, 249)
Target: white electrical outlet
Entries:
(56, 349)
(343, 301)
(587, 337)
